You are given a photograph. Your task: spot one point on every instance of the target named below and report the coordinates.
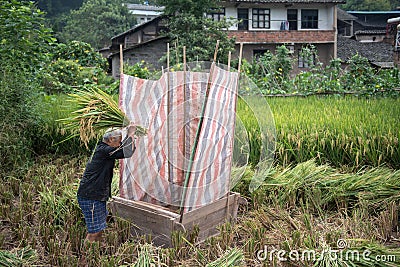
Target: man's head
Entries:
(112, 137)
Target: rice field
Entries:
(342, 131)
(335, 179)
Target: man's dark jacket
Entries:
(96, 181)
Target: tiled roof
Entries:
(137, 27)
(144, 7)
(375, 52)
(343, 15)
(370, 32)
(287, 1)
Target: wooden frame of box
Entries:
(159, 222)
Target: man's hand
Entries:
(131, 130)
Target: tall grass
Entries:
(342, 131)
(295, 209)
(50, 136)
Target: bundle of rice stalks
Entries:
(148, 256)
(323, 188)
(96, 111)
(232, 257)
(23, 257)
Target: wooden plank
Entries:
(209, 221)
(209, 217)
(196, 214)
(158, 226)
(146, 221)
(147, 206)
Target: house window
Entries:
(309, 18)
(216, 14)
(306, 61)
(261, 18)
(257, 53)
(292, 19)
(243, 17)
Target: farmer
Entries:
(95, 186)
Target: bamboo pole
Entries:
(168, 120)
(229, 60)
(196, 140)
(237, 85)
(216, 51)
(167, 55)
(184, 112)
(240, 58)
(121, 60)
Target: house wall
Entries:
(370, 38)
(150, 52)
(284, 36)
(324, 51)
(147, 33)
(278, 13)
(396, 58)
(256, 40)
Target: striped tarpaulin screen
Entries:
(171, 108)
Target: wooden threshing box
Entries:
(159, 222)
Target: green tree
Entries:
(196, 8)
(368, 5)
(96, 22)
(24, 50)
(190, 28)
(56, 7)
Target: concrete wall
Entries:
(370, 38)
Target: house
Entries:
(143, 42)
(371, 26)
(379, 54)
(345, 23)
(373, 37)
(144, 13)
(394, 25)
(264, 25)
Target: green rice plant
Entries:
(148, 256)
(49, 137)
(232, 257)
(18, 257)
(342, 131)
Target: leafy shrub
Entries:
(138, 69)
(63, 76)
(23, 51)
(82, 53)
(270, 72)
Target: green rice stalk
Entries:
(96, 111)
(232, 257)
(22, 257)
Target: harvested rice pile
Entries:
(96, 112)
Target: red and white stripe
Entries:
(156, 171)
